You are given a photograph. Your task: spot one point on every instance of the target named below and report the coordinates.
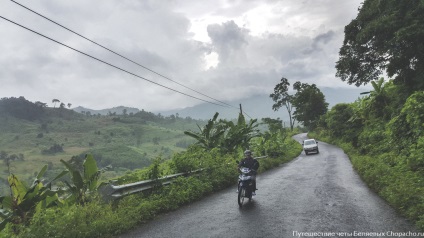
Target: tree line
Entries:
(306, 106)
(383, 132)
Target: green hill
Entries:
(32, 135)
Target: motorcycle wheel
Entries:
(241, 196)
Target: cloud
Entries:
(228, 39)
(256, 43)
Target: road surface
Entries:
(316, 195)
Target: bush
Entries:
(98, 219)
(390, 175)
(188, 161)
(92, 220)
(56, 148)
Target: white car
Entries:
(310, 145)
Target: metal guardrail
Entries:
(113, 192)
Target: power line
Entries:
(109, 63)
(104, 47)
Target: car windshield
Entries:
(309, 142)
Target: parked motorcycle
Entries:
(245, 185)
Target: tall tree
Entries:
(310, 104)
(385, 36)
(281, 98)
(54, 101)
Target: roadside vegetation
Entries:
(383, 132)
(385, 145)
(63, 200)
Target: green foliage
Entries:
(185, 190)
(21, 108)
(385, 36)
(83, 185)
(414, 113)
(384, 102)
(397, 184)
(23, 202)
(372, 139)
(282, 98)
(310, 104)
(56, 148)
(86, 216)
(273, 124)
(210, 135)
(416, 159)
(154, 171)
(279, 151)
(387, 154)
(378, 100)
(238, 135)
(271, 144)
(406, 128)
(225, 134)
(130, 148)
(120, 156)
(342, 122)
(95, 219)
(189, 160)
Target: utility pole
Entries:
(241, 110)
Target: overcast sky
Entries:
(226, 49)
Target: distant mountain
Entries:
(260, 106)
(118, 110)
(257, 106)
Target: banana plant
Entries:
(210, 135)
(23, 201)
(83, 185)
(239, 134)
(225, 135)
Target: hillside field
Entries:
(126, 142)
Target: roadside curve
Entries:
(317, 194)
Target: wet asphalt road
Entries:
(313, 193)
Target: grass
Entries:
(98, 219)
(127, 143)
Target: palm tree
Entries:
(69, 105)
